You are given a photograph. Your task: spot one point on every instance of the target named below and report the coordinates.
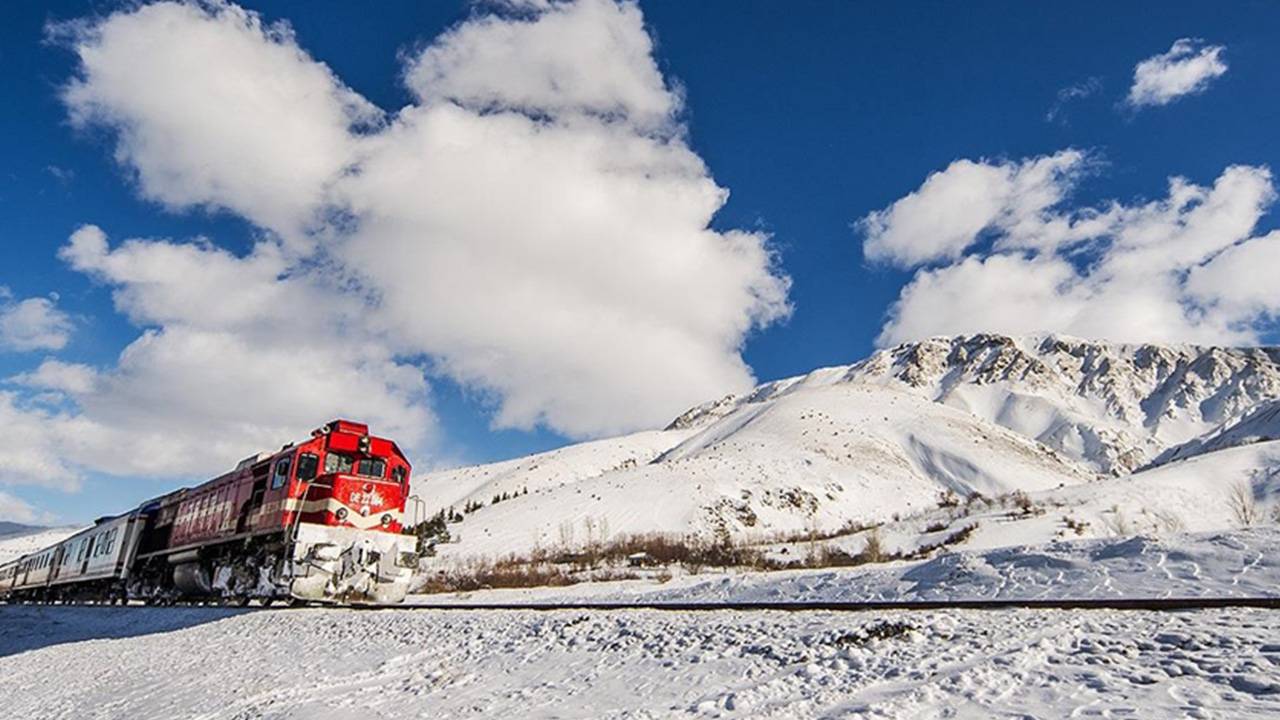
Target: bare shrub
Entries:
(873, 551)
(954, 538)
(510, 572)
(936, 527)
(1116, 522)
(1243, 507)
(1169, 522)
(1023, 503)
(1079, 527)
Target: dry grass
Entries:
(604, 561)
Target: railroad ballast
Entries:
(318, 520)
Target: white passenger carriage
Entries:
(93, 561)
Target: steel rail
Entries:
(1141, 604)
(1192, 603)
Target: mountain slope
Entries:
(892, 435)
(1112, 406)
(818, 459)
(16, 543)
(1259, 425)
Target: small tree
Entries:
(430, 532)
(1243, 506)
(873, 551)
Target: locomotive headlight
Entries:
(386, 520)
(341, 514)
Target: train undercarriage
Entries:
(323, 565)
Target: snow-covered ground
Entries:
(1204, 565)
(84, 663)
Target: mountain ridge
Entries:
(890, 436)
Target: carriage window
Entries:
(398, 474)
(372, 467)
(282, 473)
(307, 466)
(337, 463)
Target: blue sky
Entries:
(812, 115)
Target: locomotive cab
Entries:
(347, 493)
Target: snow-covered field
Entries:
(65, 663)
(1206, 565)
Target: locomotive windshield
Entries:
(337, 463)
(373, 467)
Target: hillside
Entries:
(27, 539)
(887, 439)
(1114, 407)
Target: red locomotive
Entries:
(318, 520)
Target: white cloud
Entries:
(239, 352)
(544, 241)
(1186, 69)
(1242, 279)
(14, 509)
(945, 216)
(591, 56)
(32, 324)
(213, 107)
(32, 454)
(1183, 269)
(58, 376)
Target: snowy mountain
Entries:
(892, 437)
(1259, 425)
(1114, 407)
(17, 540)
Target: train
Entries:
(317, 521)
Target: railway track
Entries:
(1147, 604)
(871, 606)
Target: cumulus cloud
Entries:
(237, 351)
(1186, 69)
(1181, 269)
(946, 215)
(534, 226)
(587, 57)
(57, 376)
(213, 107)
(33, 455)
(32, 324)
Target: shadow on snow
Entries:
(30, 627)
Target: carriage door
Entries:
(56, 566)
(261, 471)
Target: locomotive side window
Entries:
(372, 467)
(337, 463)
(282, 473)
(308, 463)
(398, 474)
